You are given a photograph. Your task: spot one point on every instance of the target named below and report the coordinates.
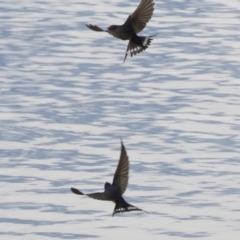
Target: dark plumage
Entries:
(113, 192)
(134, 24)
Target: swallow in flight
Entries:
(134, 24)
(113, 192)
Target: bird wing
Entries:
(140, 17)
(120, 180)
(95, 28)
(99, 195)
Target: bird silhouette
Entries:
(134, 24)
(113, 192)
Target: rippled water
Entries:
(66, 100)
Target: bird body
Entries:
(113, 192)
(134, 24)
(121, 32)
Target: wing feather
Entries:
(141, 16)
(95, 28)
(98, 195)
(121, 175)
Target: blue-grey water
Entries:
(67, 99)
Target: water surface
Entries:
(66, 100)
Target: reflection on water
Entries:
(66, 100)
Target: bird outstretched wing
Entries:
(120, 180)
(140, 17)
(95, 28)
(99, 195)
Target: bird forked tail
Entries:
(122, 206)
(138, 44)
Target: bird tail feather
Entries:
(138, 44)
(122, 206)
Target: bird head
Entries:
(107, 184)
